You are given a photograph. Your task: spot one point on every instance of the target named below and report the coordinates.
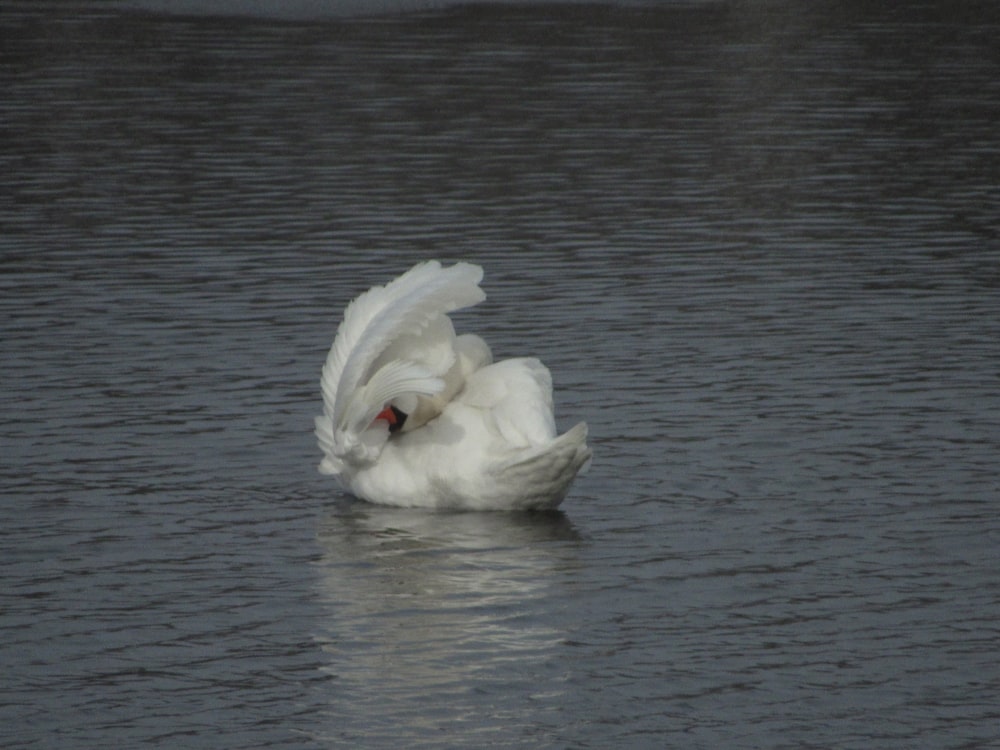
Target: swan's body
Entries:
(416, 416)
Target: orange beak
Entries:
(394, 416)
(389, 416)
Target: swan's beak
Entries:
(395, 417)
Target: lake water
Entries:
(756, 243)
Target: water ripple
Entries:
(758, 252)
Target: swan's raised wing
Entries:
(354, 390)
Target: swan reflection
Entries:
(429, 611)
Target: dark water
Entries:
(756, 243)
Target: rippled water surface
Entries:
(756, 243)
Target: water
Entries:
(757, 246)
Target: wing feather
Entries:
(394, 379)
(372, 323)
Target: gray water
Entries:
(757, 245)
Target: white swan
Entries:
(416, 416)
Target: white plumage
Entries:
(417, 416)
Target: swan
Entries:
(417, 416)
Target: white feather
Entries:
(376, 319)
(394, 379)
(395, 342)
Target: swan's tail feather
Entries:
(545, 473)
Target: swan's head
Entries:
(393, 416)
